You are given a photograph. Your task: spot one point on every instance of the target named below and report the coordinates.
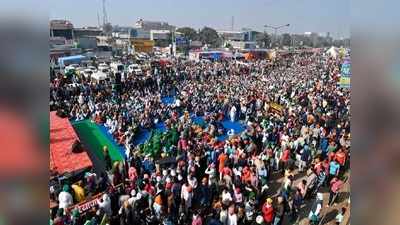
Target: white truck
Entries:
(135, 69)
(117, 67)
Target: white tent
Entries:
(333, 51)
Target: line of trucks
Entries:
(103, 70)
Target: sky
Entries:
(319, 16)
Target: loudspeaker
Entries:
(76, 147)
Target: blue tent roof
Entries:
(72, 58)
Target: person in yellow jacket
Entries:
(79, 191)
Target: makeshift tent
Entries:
(95, 140)
(75, 59)
(248, 56)
(333, 51)
(62, 137)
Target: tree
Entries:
(286, 39)
(210, 36)
(189, 33)
(228, 45)
(263, 39)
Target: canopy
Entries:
(238, 55)
(62, 137)
(71, 59)
(333, 51)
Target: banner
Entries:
(345, 74)
(87, 205)
(90, 203)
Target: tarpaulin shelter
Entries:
(256, 54)
(333, 51)
(62, 137)
(75, 59)
(248, 56)
(212, 55)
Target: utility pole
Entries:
(276, 30)
(232, 23)
(98, 19)
(105, 19)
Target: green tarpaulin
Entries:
(92, 137)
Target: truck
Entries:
(117, 67)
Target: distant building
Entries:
(196, 44)
(250, 35)
(142, 45)
(153, 25)
(54, 41)
(87, 42)
(87, 32)
(62, 28)
(160, 34)
(232, 35)
(240, 45)
(139, 33)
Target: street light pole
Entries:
(276, 29)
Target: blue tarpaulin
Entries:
(74, 59)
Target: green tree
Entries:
(210, 36)
(189, 33)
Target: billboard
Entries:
(345, 74)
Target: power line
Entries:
(105, 19)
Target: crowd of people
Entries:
(297, 123)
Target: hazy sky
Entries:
(302, 15)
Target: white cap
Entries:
(259, 219)
(320, 196)
(180, 177)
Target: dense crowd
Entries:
(297, 123)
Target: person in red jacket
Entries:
(284, 159)
(341, 157)
(268, 211)
(335, 185)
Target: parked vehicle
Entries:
(135, 69)
(117, 67)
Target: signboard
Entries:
(345, 74)
(344, 82)
(88, 204)
(180, 40)
(345, 70)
